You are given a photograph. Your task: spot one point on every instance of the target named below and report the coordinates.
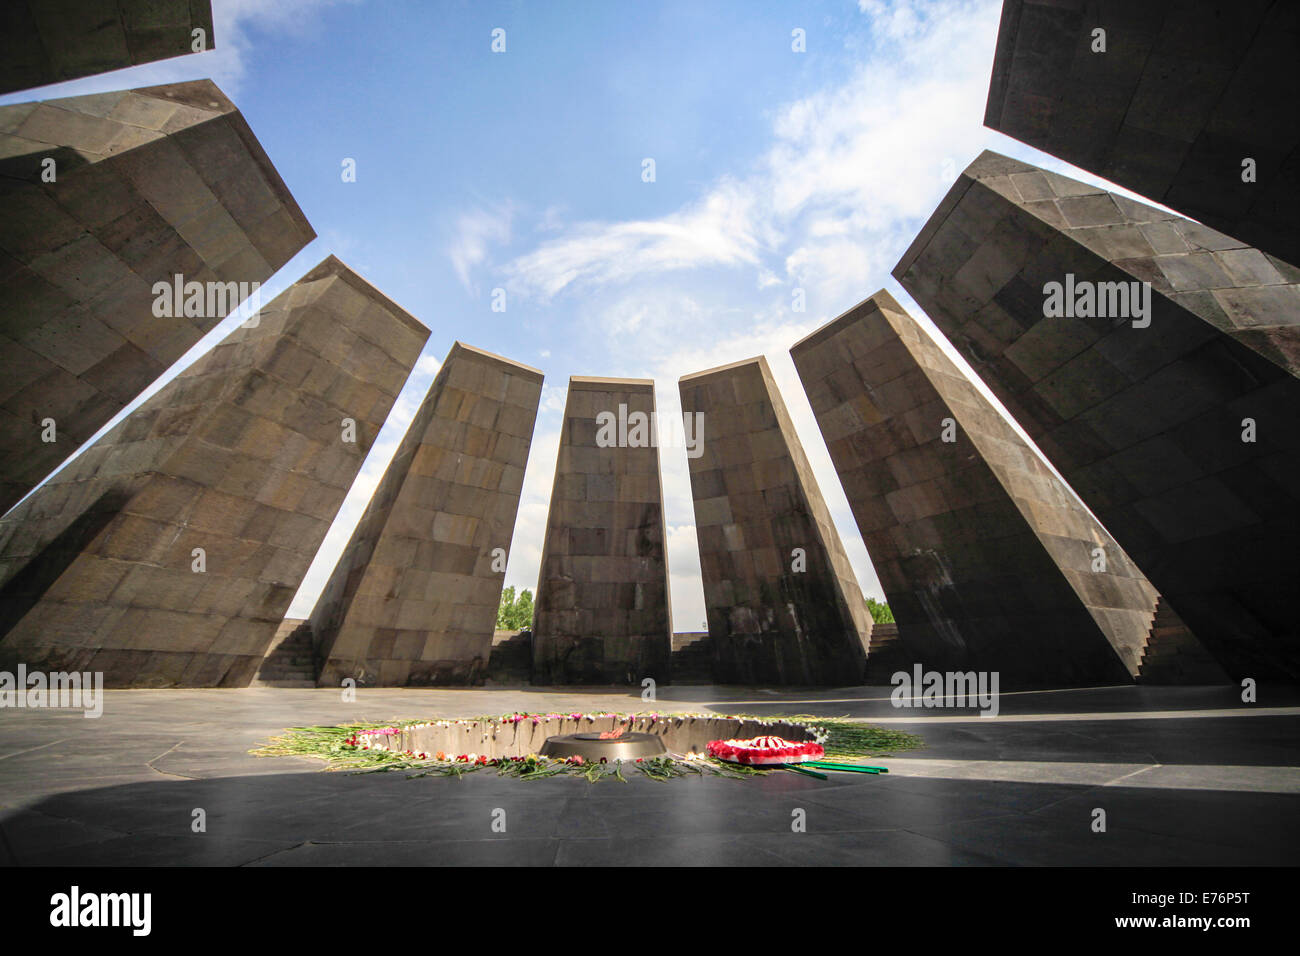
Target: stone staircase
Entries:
(290, 661)
(885, 655)
(692, 658)
(511, 660)
(1173, 655)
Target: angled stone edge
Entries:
(97, 18)
(758, 360)
(491, 358)
(200, 95)
(941, 212)
(587, 383)
(332, 265)
(1126, 638)
(207, 97)
(842, 582)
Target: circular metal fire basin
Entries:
(594, 747)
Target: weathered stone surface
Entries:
(151, 183)
(1182, 95)
(985, 556)
(243, 455)
(602, 599)
(414, 597)
(44, 42)
(1146, 424)
(756, 501)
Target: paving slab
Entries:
(1013, 790)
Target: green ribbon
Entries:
(850, 767)
(800, 769)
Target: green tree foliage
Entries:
(524, 610)
(515, 613)
(879, 611)
(506, 609)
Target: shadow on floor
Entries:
(316, 819)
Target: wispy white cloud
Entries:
(848, 172)
(720, 229)
(475, 233)
(895, 19)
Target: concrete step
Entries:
(684, 639)
(1173, 654)
(511, 659)
(698, 649)
(692, 661)
(885, 654)
(290, 660)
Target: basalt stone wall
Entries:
(1182, 95)
(45, 42)
(167, 553)
(1177, 429)
(602, 601)
(756, 501)
(988, 561)
(414, 597)
(149, 184)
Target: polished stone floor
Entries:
(1186, 776)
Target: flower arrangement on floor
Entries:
(479, 744)
(763, 751)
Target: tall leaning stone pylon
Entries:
(1153, 361)
(111, 201)
(1184, 103)
(414, 597)
(43, 42)
(602, 600)
(988, 561)
(166, 554)
(782, 601)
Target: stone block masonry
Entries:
(1183, 95)
(148, 184)
(602, 599)
(43, 42)
(988, 561)
(1177, 428)
(414, 597)
(166, 554)
(782, 602)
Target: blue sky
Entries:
(775, 170)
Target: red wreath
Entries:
(765, 750)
